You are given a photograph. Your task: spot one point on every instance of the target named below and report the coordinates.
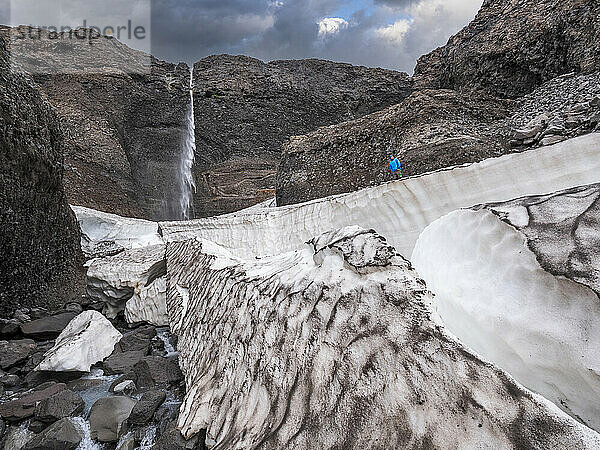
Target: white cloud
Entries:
(395, 32)
(331, 25)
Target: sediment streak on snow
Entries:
(335, 346)
(401, 210)
(510, 282)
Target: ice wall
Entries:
(335, 346)
(518, 283)
(399, 211)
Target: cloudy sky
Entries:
(377, 33)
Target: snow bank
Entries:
(401, 210)
(334, 346)
(104, 234)
(492, 292)
(87, 339)
(134, 281)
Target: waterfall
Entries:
(187, 185)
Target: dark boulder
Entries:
(47, 327)
(9, 327)
(65, 434)
(122, 362)
(24, 406)
(108, 418)
(172, 439)
(62, 404)
(144, 409)
(154, 371)
(137, 340)
(14, 352)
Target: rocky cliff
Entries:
(468, 103)
(245, 109)
(124, 122)
(39, 243)
(513, 46)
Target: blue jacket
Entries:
(395, 165)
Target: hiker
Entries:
(395, 167)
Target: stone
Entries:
(155, 371)
(128, 443)
(137, 340)
(15, 352)
(37, 426)
(551, 139)
(88, 339)
(24, 406)
(9, 327)
(9, 380)
(144, 409)
(62, 404)
(21, 315)
(172, 439)
(132, 281)
(47, 327)
(74, 307)
(547, 247)
(17, 437)
(303, 349)
(122, 362)
(108, 418)
(66, 434)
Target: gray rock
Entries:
(47, 327)
(9, 380)
(9, 327)
(37, 426)
(108, 418)
(144, 409)
(14, 352)
(65, 434)
(62, 404)
(153, 371)
(137, 340)
(172, 439)
(21, 315)
(24, 406)
(122, 362)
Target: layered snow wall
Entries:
(518, 282)
(401, 210)
(335, 345)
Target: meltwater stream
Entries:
(187, 186)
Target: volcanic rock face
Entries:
(245, 109)
(513, 46)
(429, 130)
(39, 242)
(336, 346)
(523, 290)
(124, 125)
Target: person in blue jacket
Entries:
(395, 167)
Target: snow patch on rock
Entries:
(492, 292)
(87, 339)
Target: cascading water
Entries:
(187, 185)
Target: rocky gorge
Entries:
(456, 307)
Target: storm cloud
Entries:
(377, 33)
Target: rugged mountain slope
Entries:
(513, 46)
(460, 111)
(124, 122)
(39, 242)
(245, 109)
